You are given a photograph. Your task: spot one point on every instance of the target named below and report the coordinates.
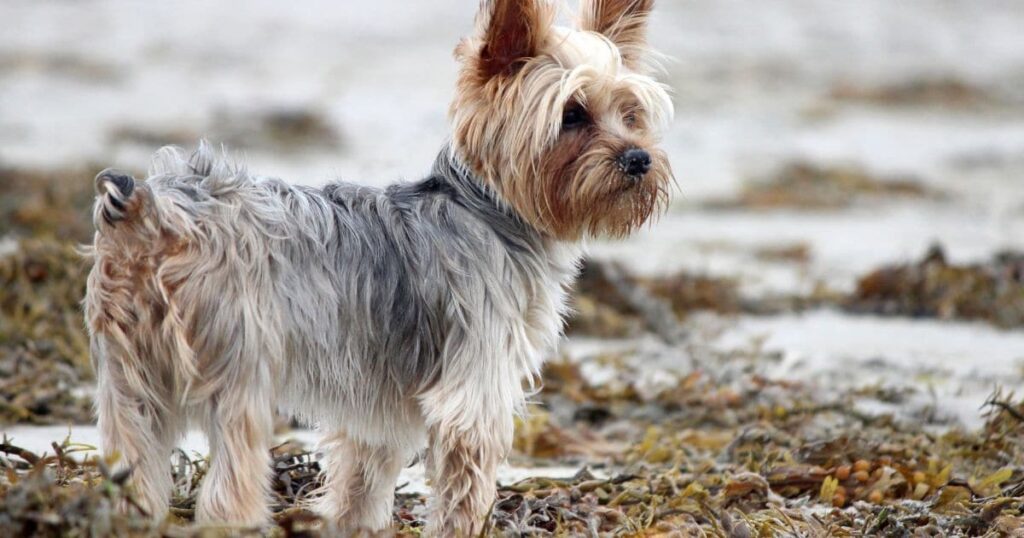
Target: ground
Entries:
(823, 335)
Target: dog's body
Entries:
(438, 302)
(391, 319)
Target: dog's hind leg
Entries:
(359, 483)
(139, 418)
(464, 476)
(138, 428)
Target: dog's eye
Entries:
(631, 119)
(575, 116)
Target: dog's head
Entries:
(564, 123)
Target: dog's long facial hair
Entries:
(388, 318)
(555, 119)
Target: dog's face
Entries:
(564, 122)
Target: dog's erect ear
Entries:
(512, 33)
(624, 22)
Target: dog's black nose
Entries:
(635, 162)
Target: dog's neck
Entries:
(466, 189)
(451, 174)
(547, 266)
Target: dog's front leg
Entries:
(470, 429)
(464, 478)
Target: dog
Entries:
(391, 319)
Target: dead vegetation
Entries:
(755, 458)
(992, 291)
(287, 129)
(44, 362)
(806, 186)
(795, 253)
(611, 302)
(937, 91)
(50, 203)
(44, 358)
(72, 66)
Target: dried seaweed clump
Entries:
(612, 302)
(287, 129)
(934, 91)
(56, 495)
(43, 344)
(992, 291)
(783, 476)
(54, 204)
(742, 455)
(807, 186)
(61, 495)
(781, 473)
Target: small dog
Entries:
(418, 315)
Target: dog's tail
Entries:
(126, 207)
(130, 303)
(118, 200)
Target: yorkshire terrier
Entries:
(417, 315)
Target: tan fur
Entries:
(361, 492)
(463, 472)
(560, 183)
(622, 21)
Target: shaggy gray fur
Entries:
(376, 314)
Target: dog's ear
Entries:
(624, 22)
(512, 32)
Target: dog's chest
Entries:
(548, 304)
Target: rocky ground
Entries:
(822, 337)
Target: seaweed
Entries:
(805, 186)
(775, 472)
(946, 92)
(54, 204)
(283, 129)
(992, 291)
(609, 301)
(44, 358)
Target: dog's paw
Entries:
(114, 190)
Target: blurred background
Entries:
(925, 92)
(849, 218)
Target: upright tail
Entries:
(126, 211)
(126, 205)
(114, 202)
(129, 304)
